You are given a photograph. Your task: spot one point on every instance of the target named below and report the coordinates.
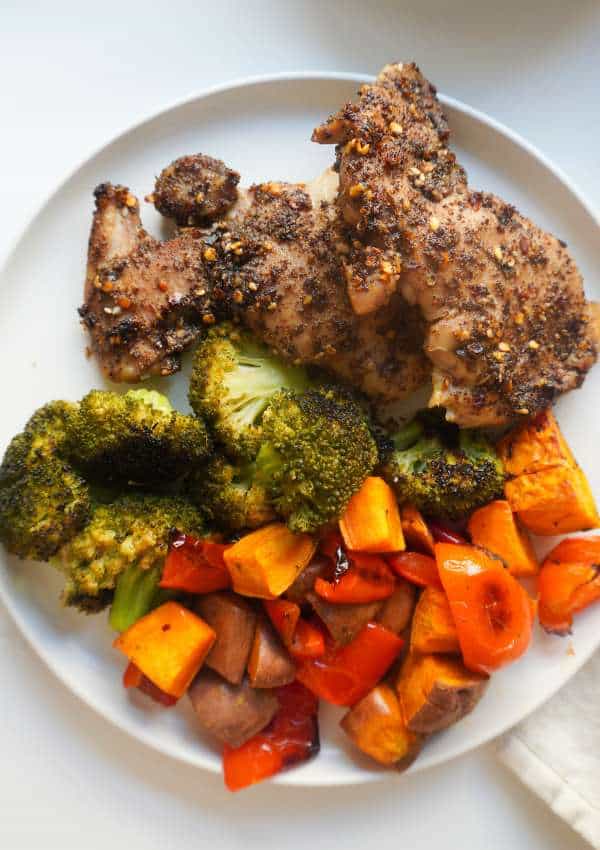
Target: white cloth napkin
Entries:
(556, 752)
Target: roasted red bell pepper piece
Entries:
(134, 678)
(284, 615)
(308, 641)
(443, 533)
(332, 546)
(343, 675)
(195, 565)
(568, 582)
(291, 737)
(417, 568)
(492, 612)
(368, 579)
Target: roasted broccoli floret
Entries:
(233, 379)
(43, 501)
(230, 496)
(134, 439)
(317, 450)
(444, 471)
(134, 530)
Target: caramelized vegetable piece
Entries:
(344, 675)
(492, 612)
(266, 562)
(546, 487)
(433, 628)
(494, 527)
(553, 501)
(134, 678)
(418, 568)
(292, 737)
(195, 565)
(284, 616)
(569, 581)
(416, 531)
(371, 521)
(436, 691)
(534, 446)
(397, 610)
(368, 579)
(234, 622)
(377, 727)
(269, 665)
(232, 713)
(168, 645)
(344, 622)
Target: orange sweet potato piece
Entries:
(534, 446)
(495, 528)
(266, 562)
(168, 645)
(433, 627)
(371, 521)
(269, 665)
(436, 691)
(557, 500)
(416, 531)
(376, 726)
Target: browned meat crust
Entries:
(194, 189)
(145, 301)
(508, 327)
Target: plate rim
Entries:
(294, 778)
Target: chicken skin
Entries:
(508, 326)
(145, 301)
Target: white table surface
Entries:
(69, 78)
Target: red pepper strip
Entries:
(284, 615)
(134, 678)
(568, 582)
(308, 642)
(195, 565)
(442, 533)
(291, 737)
(345, 675)
(417, 568)
(368, 580)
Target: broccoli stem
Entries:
(136, 593)
(407, 436)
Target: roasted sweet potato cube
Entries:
(436, 691)
(534, 446)
(397, 610)
(433, 628)
(270, 665)
(234, 622)
(168, 645)
(344, 622)
(557, 500)
(496, 528)
(376, 726)
(416, 531)
(232, 713)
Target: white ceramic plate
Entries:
(261, 127)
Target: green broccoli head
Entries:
(230, 496)
(134, 439)
(233, 379)
(42, 509)
(44, 435)
(43, 501)
(445, 473)
(317, 450)
(133, 530)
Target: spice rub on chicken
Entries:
(145, 301)
(508, 326)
